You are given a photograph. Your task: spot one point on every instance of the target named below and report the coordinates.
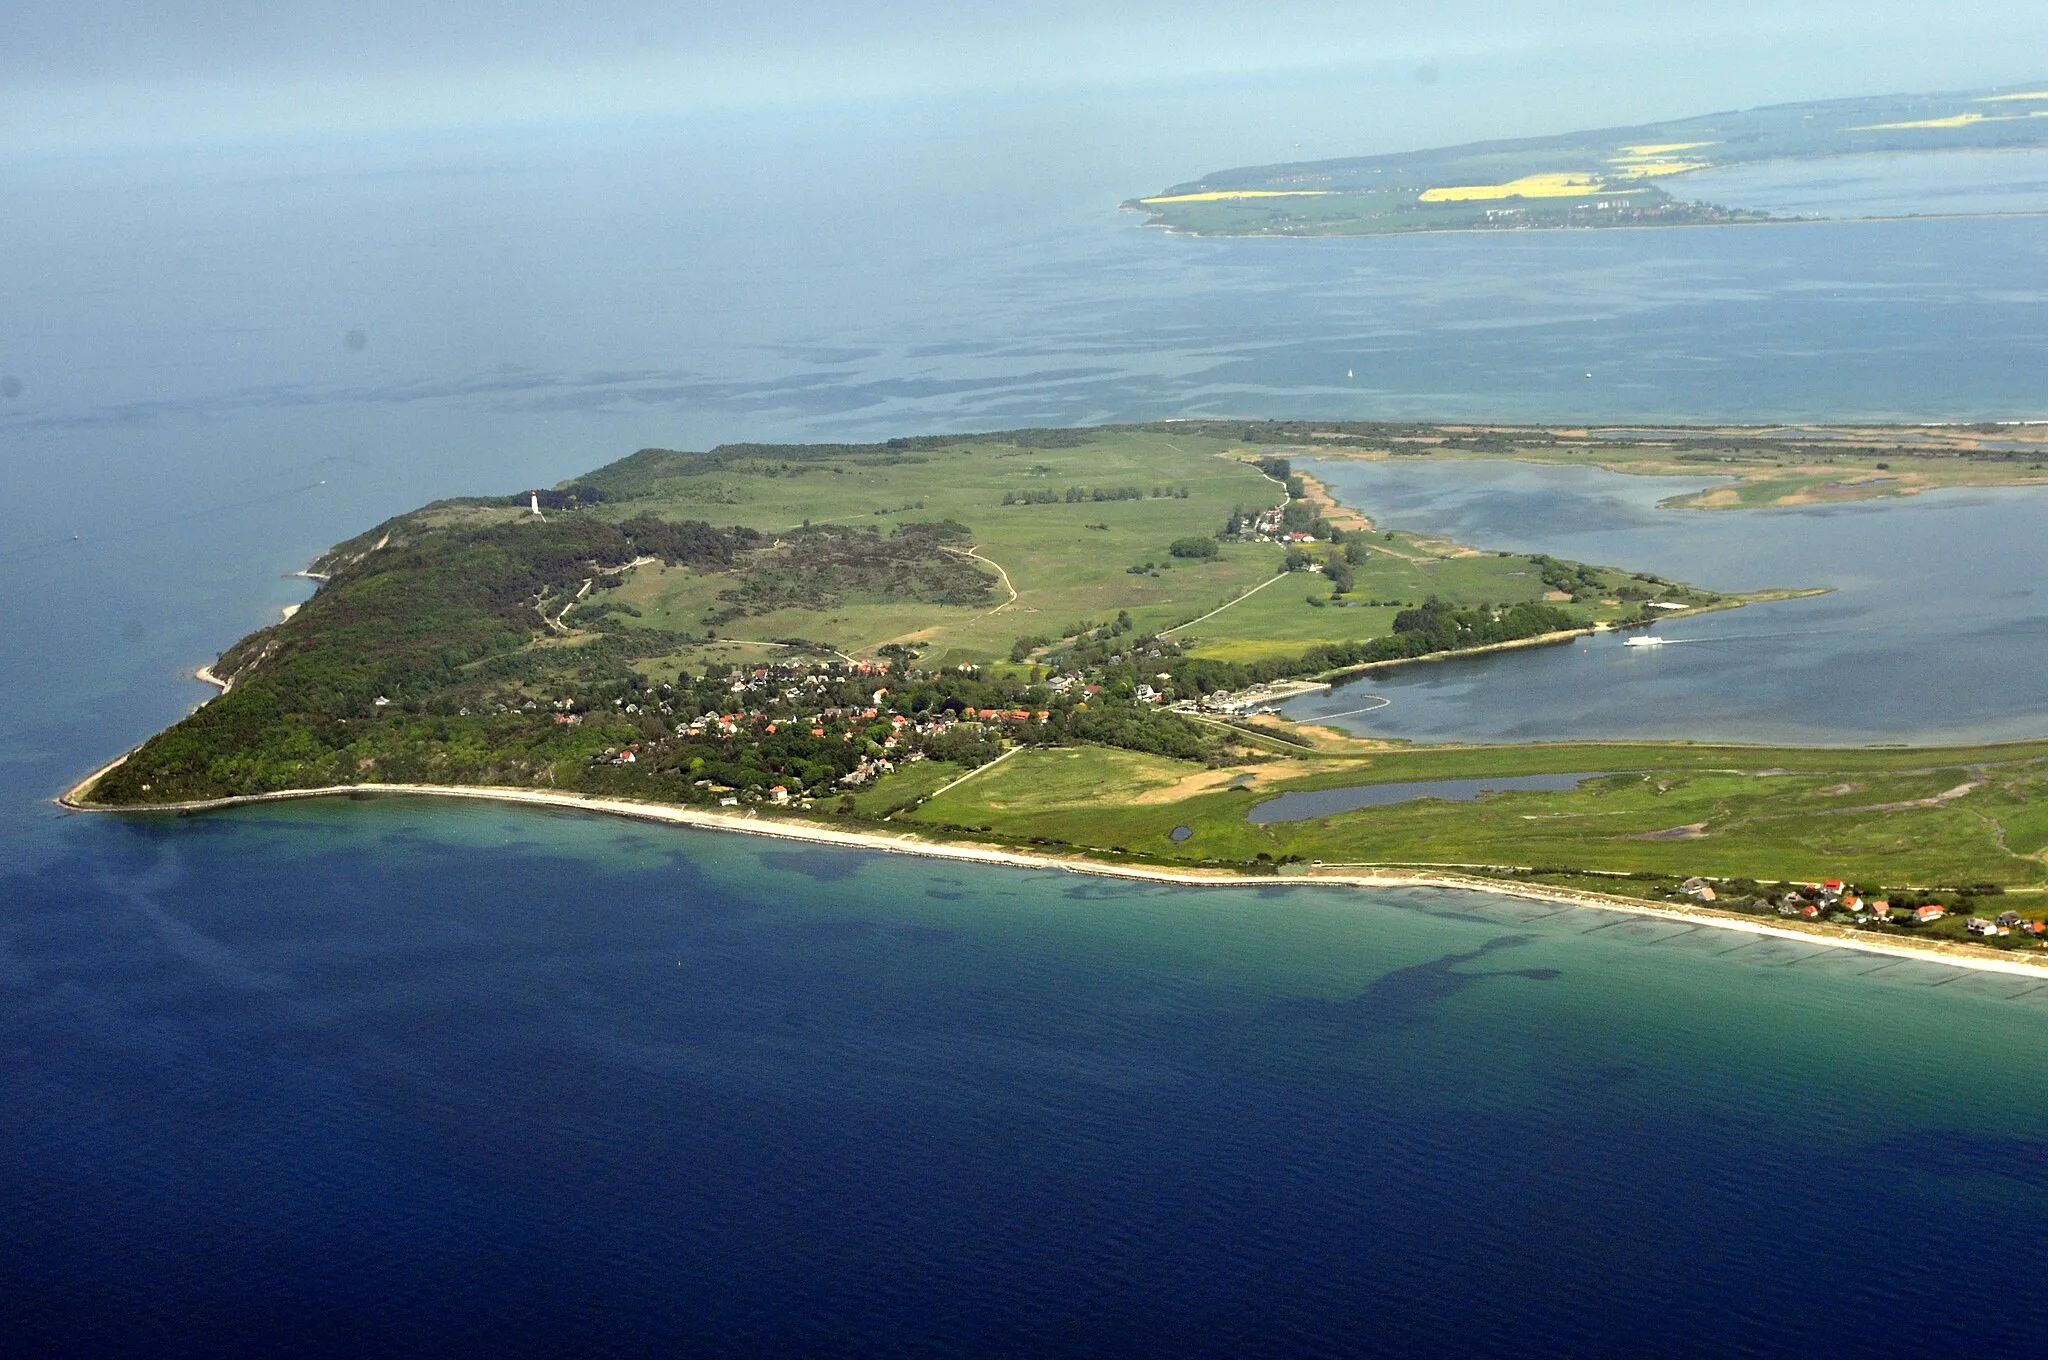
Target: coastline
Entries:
(1171, 230)
(1962, 957)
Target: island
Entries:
(1608, 177)
(1062, 647)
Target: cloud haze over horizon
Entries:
(111, 72)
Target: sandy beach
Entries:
(753, 824)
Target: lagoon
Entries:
(1891, 184)
(1299, 807)
(1936, 630)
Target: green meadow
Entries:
(1071, 563)
(1898, 816)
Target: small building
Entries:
(778, 794)
(1933, 911)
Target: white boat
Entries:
(1642, 642)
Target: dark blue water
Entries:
(504, 1083)
(385, 1077)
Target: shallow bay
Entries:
(1935, 630)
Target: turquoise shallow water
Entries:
(403, 1077)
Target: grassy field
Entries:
(1076, 563)
(1119, 496)
(1895, 816)
(905, 788)
(1067, 562)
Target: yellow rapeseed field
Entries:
(1952, 121)
(1216, 195)
(1652, 169)
(1528, 186)
(1656, 159)
(1657, 149)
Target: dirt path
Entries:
(1169, 632)
(791, 646)
(956, 783)
(977, 554)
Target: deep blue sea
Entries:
(393, 1077)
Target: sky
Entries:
(107, 73)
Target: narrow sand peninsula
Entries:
(1954, 956)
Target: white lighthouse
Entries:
(536, 501)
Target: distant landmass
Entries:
(1608, 177)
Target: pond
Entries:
(1300, 807)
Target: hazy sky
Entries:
(110, 71)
